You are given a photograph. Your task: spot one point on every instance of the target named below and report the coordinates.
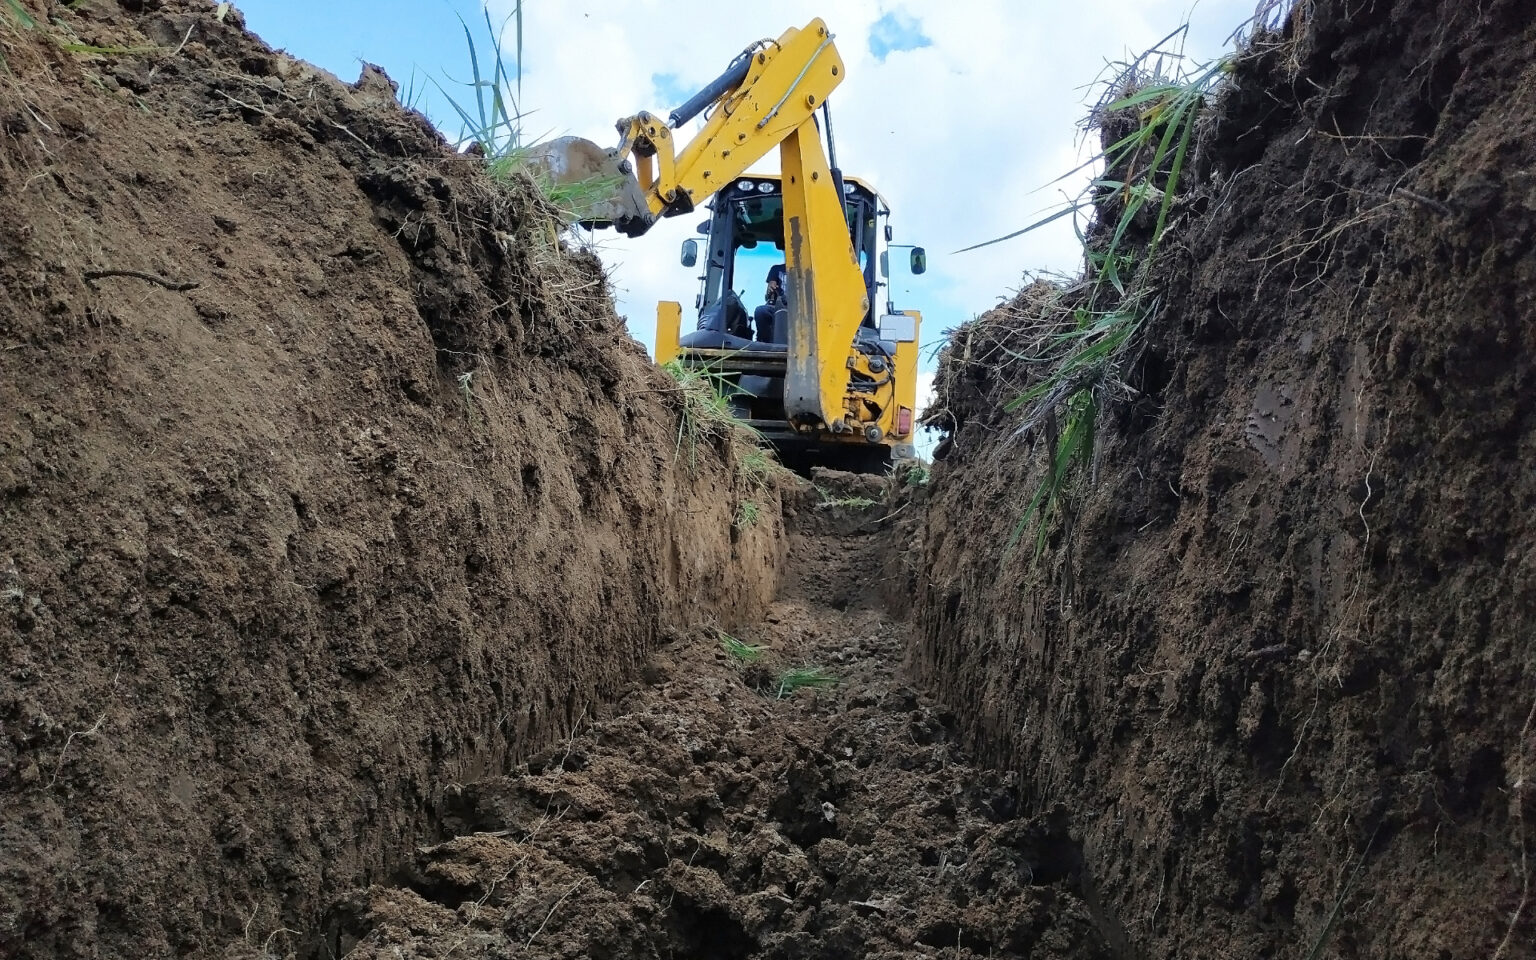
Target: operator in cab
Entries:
(774, 299)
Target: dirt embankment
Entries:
(328, 480)
(1285, 677)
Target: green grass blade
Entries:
(500, 114)
(1170, 189)
(740, 651)
(1144, 95)
(20, 12)
(474, 66)
(493, 120)
(812, 677)
(1034, 226)
(471, 130)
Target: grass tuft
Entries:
(410, 95)
(705, 407)
(801, 678)
(746, 653)
(748, 512)
(577, 201)
(758, 467)
(1147, 117)
(492, 121)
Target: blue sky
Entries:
(958, 112)
(896, 32)
(411, 39)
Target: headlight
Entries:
(743, 184)
(765, 187)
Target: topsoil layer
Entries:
(1284, 673)
(328, 480)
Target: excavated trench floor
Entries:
(707, 816)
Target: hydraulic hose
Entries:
(729, 80)
(837, 173)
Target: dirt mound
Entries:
(1284, 677)
(328, 479)
(712, 817)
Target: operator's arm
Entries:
(775, 295)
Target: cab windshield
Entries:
(758, 239)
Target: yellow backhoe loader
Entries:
(820, 371)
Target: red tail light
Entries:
(904, 420)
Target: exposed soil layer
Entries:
(836, 504)
(328, 480)
(708, 816)
(1284, 675)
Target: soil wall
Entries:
(328, 478)
(1285, 677)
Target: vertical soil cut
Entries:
(1279, 663)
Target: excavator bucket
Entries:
(594, 186)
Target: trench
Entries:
(711, 812)
(298, 556)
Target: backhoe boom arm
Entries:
(766, 98)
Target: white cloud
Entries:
(926, 439)
(959, 135)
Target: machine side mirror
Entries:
(690, 252)
(888, 233)
(919, 260)
(703, 226)
(885, 263)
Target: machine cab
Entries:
(742, 332)
(744, 242)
